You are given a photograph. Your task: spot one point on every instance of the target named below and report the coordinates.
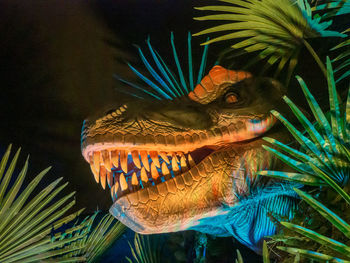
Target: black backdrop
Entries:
(57, 62)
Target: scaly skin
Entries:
(190, 163)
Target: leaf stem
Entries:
(316, 57)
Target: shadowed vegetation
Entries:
(324, 161)
(274, 30)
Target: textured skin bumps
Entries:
(215, 83)
(222, 135)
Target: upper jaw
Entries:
(172, 141)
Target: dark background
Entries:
(58, 58)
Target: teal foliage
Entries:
(323, 161)
(165, 83)
(274, 30)
(324, 156)
(343, 59)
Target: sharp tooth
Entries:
(134, 180)
(103, 173)
(136, 159)
(175, 158)
(95, 173)
(97, 160)
(164, 157)
(154, 156)
(106, 160)
(165, 170)
(123, 183)
(109, 179)
(144, 176)
(183, 164)
(119, 112)
(190, 161)
(116, 187)
(154, 171)
(124, 161)
(144, 159)
(112, 191)
(115, 158)
(175, 166)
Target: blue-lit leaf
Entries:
(305, 179)
(326, 213)
(166, 84)
(323, 240)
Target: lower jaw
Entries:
(179, 203)
(201, 192)
(159, 222)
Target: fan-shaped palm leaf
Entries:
(274, 29)
(331, 8)
(342, 249)
(97, 239)
(145, 251)
(165, 84)
(343, 59)
(26, 224)
(324, 158)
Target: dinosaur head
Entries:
(171, 164)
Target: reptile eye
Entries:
(231, 97)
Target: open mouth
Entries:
(126, 172)
(127, 169)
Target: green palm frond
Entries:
(276, 30)
(331, 8)
(341, 249)
(324, 158)
(97, 239)
(145, 251)
(343, 59)
(239, 258)
(163, 82)
(26, 224)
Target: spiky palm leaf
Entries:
(274, 29)
(342, 250)
(343, 59)
(165, 84)
(97, 239)
(331, 8)
(26, 224)
(324, 157)
(145, 251)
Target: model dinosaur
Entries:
(190, 162)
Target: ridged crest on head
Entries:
(212, 85)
